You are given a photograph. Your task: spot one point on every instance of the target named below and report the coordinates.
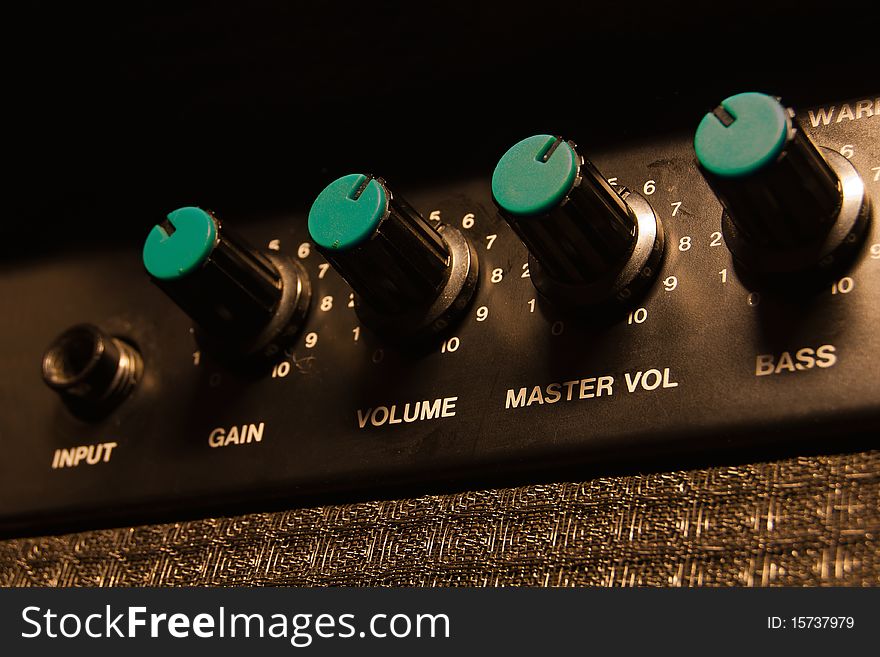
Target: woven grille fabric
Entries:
(802, 521)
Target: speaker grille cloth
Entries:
(803, 521)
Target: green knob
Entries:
(347, 212)
(180, 244)
(742, 135)
(534, 175)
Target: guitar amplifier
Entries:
(442, 295)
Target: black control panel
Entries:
(451, 351)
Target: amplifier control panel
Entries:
(699, 293)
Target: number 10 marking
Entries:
(637, 316)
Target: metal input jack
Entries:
(92, 371)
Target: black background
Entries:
(117, 112)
